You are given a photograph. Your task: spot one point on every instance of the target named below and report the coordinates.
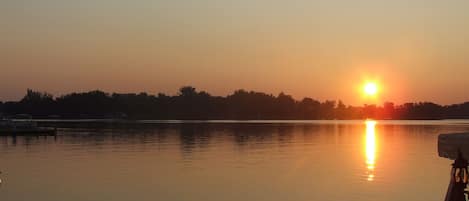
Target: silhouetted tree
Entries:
(36, 103)
(309, 109)
(370, 111)
(388, 111)
(187, 91)
(341, 111)
(285, 106)
(326, 110)
(191, 104)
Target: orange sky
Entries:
(417, 50)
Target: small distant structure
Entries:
(456, 147)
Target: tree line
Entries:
(192, 104)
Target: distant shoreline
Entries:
(191, 104)
(137, 124)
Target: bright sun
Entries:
(370, 88)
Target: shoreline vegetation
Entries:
(190, 104)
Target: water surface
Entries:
(249, 161)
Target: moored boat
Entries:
(450, 144)
(10, 127)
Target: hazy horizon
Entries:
(321, 49)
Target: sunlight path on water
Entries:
(370, 148)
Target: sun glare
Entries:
(370, 89)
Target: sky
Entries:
(416, 50)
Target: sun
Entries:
(370, 89)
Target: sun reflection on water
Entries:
(370, 148)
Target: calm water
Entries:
(196, 161)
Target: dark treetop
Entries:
(191, 104)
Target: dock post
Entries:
(459, 179)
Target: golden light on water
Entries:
(370, 148)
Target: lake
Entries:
(232, 161)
